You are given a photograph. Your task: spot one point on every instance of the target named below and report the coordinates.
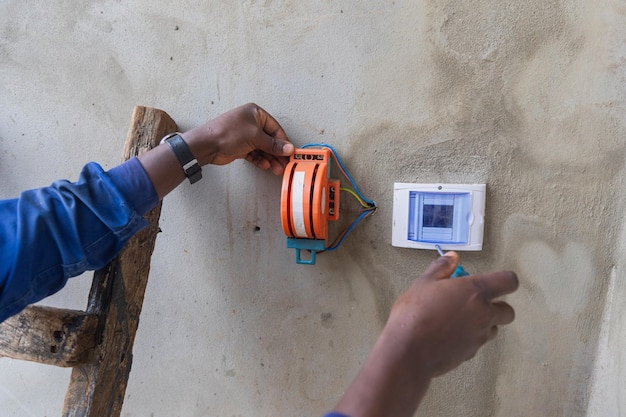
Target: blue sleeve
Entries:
(50, 234)
(335, 415)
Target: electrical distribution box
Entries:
(449, 215)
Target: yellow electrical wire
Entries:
(363, 203)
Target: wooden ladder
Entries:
(98, 342)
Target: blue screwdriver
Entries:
(459, 271)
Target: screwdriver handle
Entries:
(459, 272)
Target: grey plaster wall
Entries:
(527, 97)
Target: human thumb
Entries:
(442, 267)
(274, 146)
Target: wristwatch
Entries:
(193, 170)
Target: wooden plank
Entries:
(97, 389)
(49, 335)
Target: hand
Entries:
(433, 327)
(245, 132)
(447, 320)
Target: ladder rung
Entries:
(49, 335)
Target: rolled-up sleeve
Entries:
(50, 234)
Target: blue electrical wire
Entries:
(349, 229)
(343, 169)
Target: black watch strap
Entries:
(193, 170)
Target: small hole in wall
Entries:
(54, 349)
(257, 229)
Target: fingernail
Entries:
(288, 148)
(450, 254)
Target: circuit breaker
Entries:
(449, 215)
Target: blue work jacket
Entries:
(53, 233)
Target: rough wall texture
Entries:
(527, 97)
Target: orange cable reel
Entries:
(310, 200)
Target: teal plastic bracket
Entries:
(313, 245)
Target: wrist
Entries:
(202, 142)
(391, 382)
(406, 335)
(403, 345)
(188, 162)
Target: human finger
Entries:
(442, 267)
(496, 284)
(272, 145)
(277, 165)
(503, 313)
(265, 161)
(273, 139)
(258, 160)
(269, 124)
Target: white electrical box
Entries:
(449, 215)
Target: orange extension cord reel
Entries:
(309, 200)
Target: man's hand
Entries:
(245, 132)
(445, 321)
(433, 327)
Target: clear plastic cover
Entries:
(439, 217)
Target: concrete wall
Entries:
(525, 96)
